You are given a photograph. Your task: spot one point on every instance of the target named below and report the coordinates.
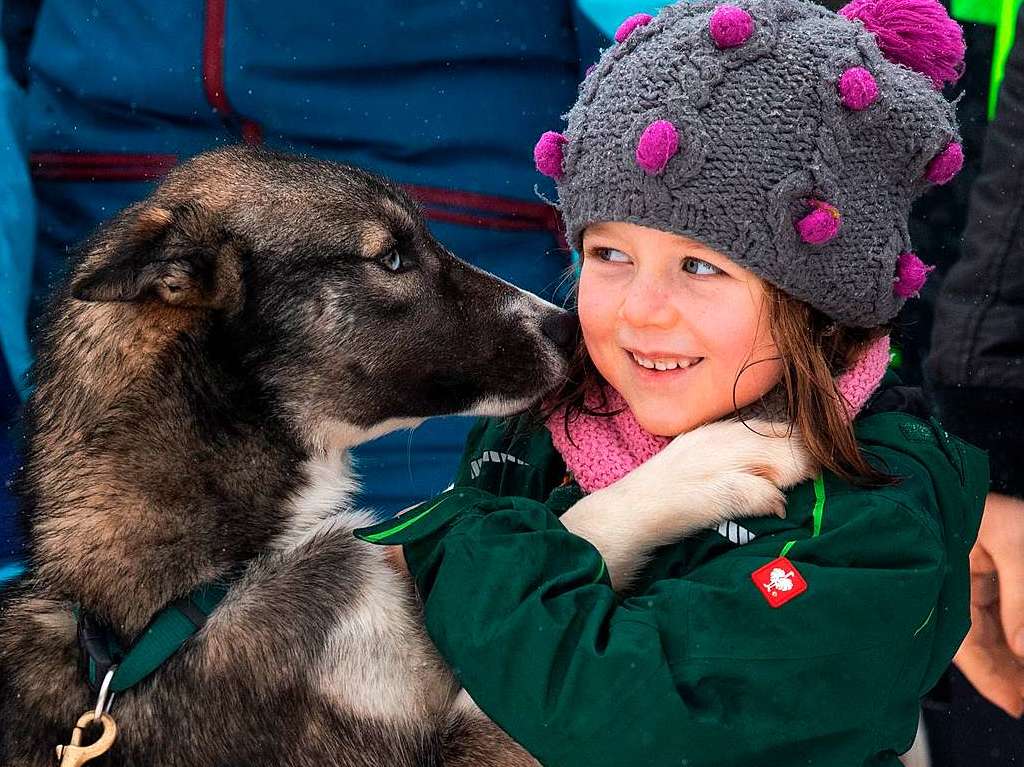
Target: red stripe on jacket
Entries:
(213, 72)
(453, 206)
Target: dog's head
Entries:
(322, 284)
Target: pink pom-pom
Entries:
(857, 88)
(946, 164)
(918, 34)
(821, 224)
(626, 28)
(547, 154)
(658, 143)
(911, 273)
(730, 26)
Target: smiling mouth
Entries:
(665, 364)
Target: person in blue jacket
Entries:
(442, 96)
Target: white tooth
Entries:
(659, 365)
(641, 361)
(683, 364)
(671, 365)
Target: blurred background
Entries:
(99, 100)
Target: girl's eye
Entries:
(699, 267)
(611, 255)
(392, 261)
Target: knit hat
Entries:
(790, 138)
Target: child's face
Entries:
(669, 300)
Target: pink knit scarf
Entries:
(604, 449)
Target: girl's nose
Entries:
(649, 303)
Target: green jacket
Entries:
(694, 667)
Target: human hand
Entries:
(992, 655)
(394, 554)
(396, 558)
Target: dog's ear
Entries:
(178, 255)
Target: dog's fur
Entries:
(216, 351)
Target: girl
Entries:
(737, 179)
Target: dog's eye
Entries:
(392, 261)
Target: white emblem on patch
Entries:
(780, 580)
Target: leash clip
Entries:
(75, 754)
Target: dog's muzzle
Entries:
(562, 329)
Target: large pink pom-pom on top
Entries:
(911, 274)
(821, 224)
(730, 26)
(857, 88)
(548, 154)
(918, 34)
(658, 144)
(946, 164)
(626, 28)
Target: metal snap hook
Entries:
(103, 703)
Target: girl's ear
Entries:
(178, 256)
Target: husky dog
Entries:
(216, 350)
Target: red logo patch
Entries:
(778, 581)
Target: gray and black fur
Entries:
(216, 350)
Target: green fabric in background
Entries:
(1002, 14)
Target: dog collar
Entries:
(100, 652)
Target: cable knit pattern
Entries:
(764, 128)
(604, 449)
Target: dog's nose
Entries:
(562, 328)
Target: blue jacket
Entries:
(445, 97)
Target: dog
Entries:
(215, 352)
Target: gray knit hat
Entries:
(775, 131)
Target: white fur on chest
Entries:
(377, 662)
(327, 490)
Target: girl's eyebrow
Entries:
(603, 240)
(604, 236)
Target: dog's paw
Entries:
(762, 448)
(743, 494)
(725, 470)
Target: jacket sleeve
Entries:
(507, 457)
(17, 231)
(699, 669)
(978, 335)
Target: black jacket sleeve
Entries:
(976, 364)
